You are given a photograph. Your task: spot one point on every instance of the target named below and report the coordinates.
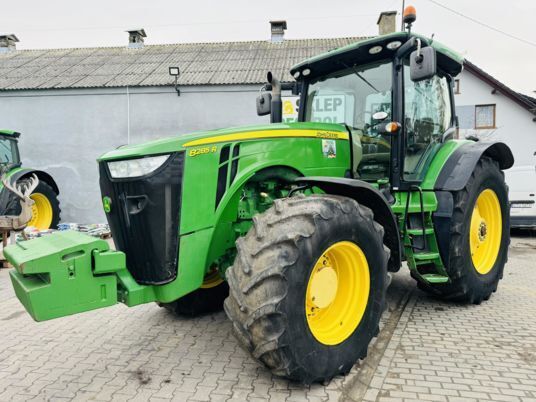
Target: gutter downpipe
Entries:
(128, 116)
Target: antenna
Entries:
(403, 28)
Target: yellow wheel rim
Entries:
(41, 212)
(337, 293)
(212, 279)
(486, 231)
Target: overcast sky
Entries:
(71, 23)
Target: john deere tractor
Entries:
(295, 227)
(46, 207)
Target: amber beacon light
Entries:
(410, 15)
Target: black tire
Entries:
(200, 301)
(467, 285)
(13, 207)
(268, 284)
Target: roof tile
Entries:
(200, 64)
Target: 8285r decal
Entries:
(202, 151)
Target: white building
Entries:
(489, 110)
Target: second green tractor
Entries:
(46, 207)
(295, 227)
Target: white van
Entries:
(522, 183)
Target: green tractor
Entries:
(296, 227)
(46, 208)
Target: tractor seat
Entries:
(423, 129)
(357, 148)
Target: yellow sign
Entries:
(291, 106)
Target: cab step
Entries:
(435, 278)
(418, 232)
(425, 257)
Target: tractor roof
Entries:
(448, 60)
(10, 133)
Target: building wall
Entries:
(64, 131)
(514, 124)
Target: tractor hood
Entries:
(203, 138)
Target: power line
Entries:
(483, 23)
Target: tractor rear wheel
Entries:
(46, 209)
(207, 299)
(480, 236)
(308, 285)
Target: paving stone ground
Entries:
(427, 350)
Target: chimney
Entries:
(387, 22)
(278, 30)
(8, 43)
(135, 38)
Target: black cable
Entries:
(482, 23)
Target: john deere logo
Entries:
(107, 204)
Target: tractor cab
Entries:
(394, 95)
(9, 149)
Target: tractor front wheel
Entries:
(207, 299)
(308, 286)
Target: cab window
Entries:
(351, 97)
(8, 152)
(428, 116)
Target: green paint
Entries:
(438, 162)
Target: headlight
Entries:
(136, 167)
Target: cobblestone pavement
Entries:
(427, 350)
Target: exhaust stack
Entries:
(276, 115)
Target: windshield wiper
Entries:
(360, 76)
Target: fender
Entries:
(370, 197)
(460, 165)
(454, 176)
(43, 176)
(8, 202)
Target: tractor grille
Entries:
(144, 219)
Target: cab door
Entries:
(427, 117)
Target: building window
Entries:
(457, 87)
(485, 116)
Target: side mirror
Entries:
(423, 64)
(264, 104)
